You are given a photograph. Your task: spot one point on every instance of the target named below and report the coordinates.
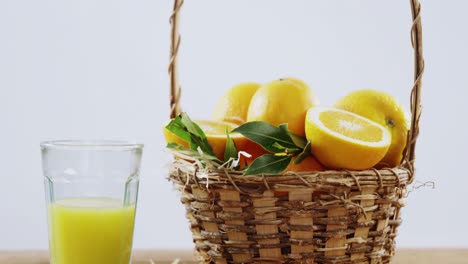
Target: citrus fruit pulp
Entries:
(384, 109)
(344, 140)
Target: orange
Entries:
(215, 133)
(306, 88)
(384, 109)
(344, 140)
(233, 106)
(308, 164)
(282, 101)
(253, 149)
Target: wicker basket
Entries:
(325, 217)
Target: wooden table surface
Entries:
(403, 256)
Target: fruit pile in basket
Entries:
(280, 126)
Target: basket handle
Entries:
(416, 40)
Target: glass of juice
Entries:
(91, 193)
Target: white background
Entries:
(98, 69)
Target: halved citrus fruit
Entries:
(344, 140)
(384, 109)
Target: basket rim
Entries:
(185, 172)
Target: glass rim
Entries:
(111, 145)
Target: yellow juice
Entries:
(91, 231)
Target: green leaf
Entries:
(191, 126)
(305, 152)
(172, 145)
(298, 140)
(191, 152)
(176, 146)
(287, 150)
(197, 136)
(268, 164)
(183, 127)
(177, 128)
(271, 138)
(230, 151)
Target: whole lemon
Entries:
(306, 87)
(282, 101)
(385, 110)
(233, 106)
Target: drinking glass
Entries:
(91, 190)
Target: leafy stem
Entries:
(280, 142)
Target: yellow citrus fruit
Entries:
(344, 140)
(279, 102)
(384, 109)
(233, 106)
(306, 87)
(216, 135)
(308, 164)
